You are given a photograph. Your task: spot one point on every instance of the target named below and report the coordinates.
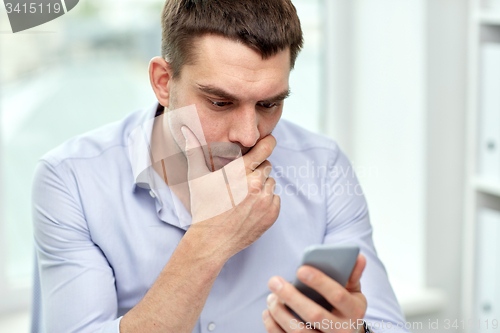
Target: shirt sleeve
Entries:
(348, 221)
(76, 281)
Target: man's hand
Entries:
(228, 229)
(176, 299)
(349, 303)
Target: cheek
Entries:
(268, 123)
(215, 125)
(185, 116)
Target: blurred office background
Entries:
(387, 79)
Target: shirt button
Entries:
(211, 327)
(152, 194)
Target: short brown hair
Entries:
(267, 26)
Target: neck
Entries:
(169, 160)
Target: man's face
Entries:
(238, 95)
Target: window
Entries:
(304, 106)
(90, 67)
(84, 70)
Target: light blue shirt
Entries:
(102, 240)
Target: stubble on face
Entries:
(233, 68)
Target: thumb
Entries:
(353, 285)
(194, 154)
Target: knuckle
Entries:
(266, 147)
(257, 206)
(360, 314)
(272, 140)
(256, 184)
(339, 297)
(253, 191)
(315, 315)
(269, 326)
(275, 209)
(254, 165)
(265, 194)
(270, 193)
(273, 310)
(283, 293)
(257, 173)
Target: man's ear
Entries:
(160, 76)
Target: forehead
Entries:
(231, 65)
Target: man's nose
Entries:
(244, 129)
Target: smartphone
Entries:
(336, 261)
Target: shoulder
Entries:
(294, 138)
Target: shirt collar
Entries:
(145, 176)
(139, 148)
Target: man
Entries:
(133, 239)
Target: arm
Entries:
(181, 289)
(349, 221)
(176, 299)
(77, 282)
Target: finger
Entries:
(331, 290)
(257, 179)
(194, 154)
(259, 153)
(282, 316)
(270, 324)
(269, 186)
(263, 171)
(303, 306)
(354, 285)
(277, 203)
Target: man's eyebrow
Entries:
(280, 97)
(217, 92)
(224, 94)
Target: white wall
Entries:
(388, 128)
(397, 106)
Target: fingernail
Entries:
(305, 274)
(265, 315)
(275, 284)
(184, 132)
(271, 299)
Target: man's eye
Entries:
(220, 104)
(268, 105)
